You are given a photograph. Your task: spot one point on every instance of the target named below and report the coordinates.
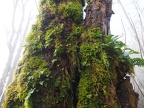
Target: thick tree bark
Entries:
(98, 14)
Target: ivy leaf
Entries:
(89, 96)
(45, 84)
(57, 82)
(84, 63)
(138, 61)
(41, 82)
(31, 91)
(54, 60)
(41, 73)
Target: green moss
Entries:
(95, 76)
(93, 86)
(57, 82)
(72, 11)
(28, 103)
(54, 33)
(34, 73)
(48, 4)
(34, 42)
(77, 30)
(102, 59)
(12, 99)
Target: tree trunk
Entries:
(98, 14)
(55, 45)
(66, 64)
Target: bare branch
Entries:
(37, 6)
(124, 30)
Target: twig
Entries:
(138, 86)
(124, 30)
(37, 6)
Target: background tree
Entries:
(15, 38)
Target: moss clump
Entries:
(103, 64)
(34, 75)
(12, 99)
(48, 4)
(93, 87)
(77, 30)
(52, 34)
(72, 11)
(95, 76)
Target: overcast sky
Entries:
(6, 9)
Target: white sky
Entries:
(119, 17)
(6, 10)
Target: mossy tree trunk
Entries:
(93, 73)
(48, 74)
(61, 52)
(68, 63)
(98, 14)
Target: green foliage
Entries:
(117, 50)
(53, 33)
(138, 62)
(47, 4)
(34, 73)
(12, 99)
(77, 30)
(31, 91)
(57, 82)
(42, 2)
(34, 41)
(93, 87)
(72, 11)
(95, 76)
(100, 57)
(28, 103)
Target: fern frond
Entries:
(131, 51)
(138, 61)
